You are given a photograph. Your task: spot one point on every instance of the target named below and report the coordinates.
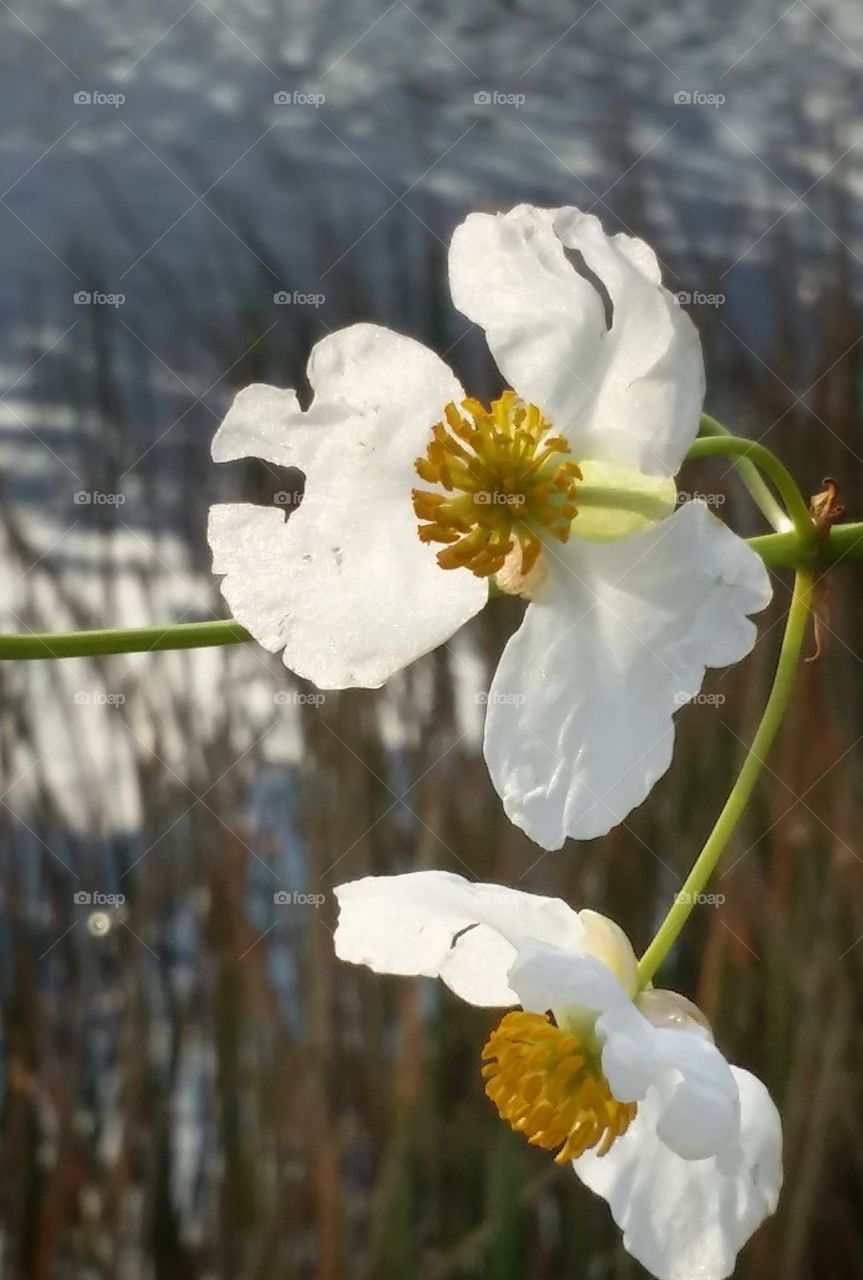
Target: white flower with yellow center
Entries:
(416, 496)
(627, 1085)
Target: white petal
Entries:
(549, 977)
(699, 1109)
(606, 940)
(684, 1218)
(694, 1095)
(436, 924)
(579, 723)
(597, 970)
(630, 394)
(374, 391)
(267, 422)
(344, 586)
(545, 324)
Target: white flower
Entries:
(562, 490)
(629, 1085)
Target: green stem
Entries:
(766, 461)
(777, 704)
(786, 551)
(750, 475)
(80, 644)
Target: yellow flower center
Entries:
(506, 482)
(548, 1087)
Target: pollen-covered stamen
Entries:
(501, 467)
(548, 1087)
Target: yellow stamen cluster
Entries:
(500, 466)
(547, 1087)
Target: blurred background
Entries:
(192, 195)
